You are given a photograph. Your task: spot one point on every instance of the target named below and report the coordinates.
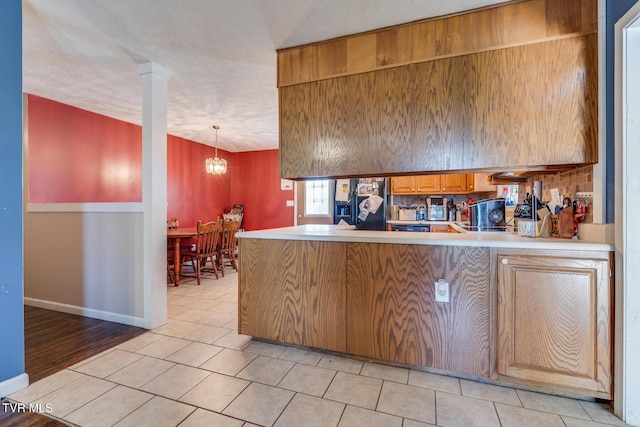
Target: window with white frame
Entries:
(316, 198)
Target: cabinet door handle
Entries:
(504, 261)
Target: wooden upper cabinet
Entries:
(454, 183)
(433, 184)
(379, 117)
(403, 185)
(481, 182)
(515, 107)
(525, 106)
(417, 184)
(428, 183)
(555, 321)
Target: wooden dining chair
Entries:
(228, 245)
(206, 246)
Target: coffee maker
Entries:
(437, 208)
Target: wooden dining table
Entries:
(176, 235)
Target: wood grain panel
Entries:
(386, 127)
(362, 126)
(490, 28)
(361, 53)
(498, 26)
(589, 16)
(331, 58)
(554, 321)
(424, 41)
(456, 35)
(394, 119)
(524, 22)
(295, 130)
(296, 65)
(293, 292)
(442, 115)
(563, 17)
(285, 76)
(328, 130)
(405, 44)
(535, 105)
(386, 47)
(392, 313)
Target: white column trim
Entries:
(627, 294)
(154, 193)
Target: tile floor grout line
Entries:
(495, 408)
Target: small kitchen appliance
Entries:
(487, 215)
(407, 213)
(437, 208)
(421, 214)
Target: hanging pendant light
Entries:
(216, 165)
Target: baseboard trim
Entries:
(13, 384)
(86, 312)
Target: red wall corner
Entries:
(256, 185)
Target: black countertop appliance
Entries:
(487, 215)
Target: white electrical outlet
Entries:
(442, 290)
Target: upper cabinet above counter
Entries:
(510, 87)
(441, 184)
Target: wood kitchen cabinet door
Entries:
(403, 185)
(427, 184)
(453, 183)
(392, 313)
(415, 184)
(554, 322)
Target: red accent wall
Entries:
(192, 193)
(78, 156)
(256, 185)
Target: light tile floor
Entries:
(198, 371)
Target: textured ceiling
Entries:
(221, 55)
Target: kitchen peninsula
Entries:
(517, 310)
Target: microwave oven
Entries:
(437, 208)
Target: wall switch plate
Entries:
(286, 184)
(442, 290)
(584, 195)
(289, 202)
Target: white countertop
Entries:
(337, 233)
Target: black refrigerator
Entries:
(361, 202)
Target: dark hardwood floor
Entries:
(55, 341)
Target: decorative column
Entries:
(154, 193)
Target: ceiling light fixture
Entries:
(216, 165)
